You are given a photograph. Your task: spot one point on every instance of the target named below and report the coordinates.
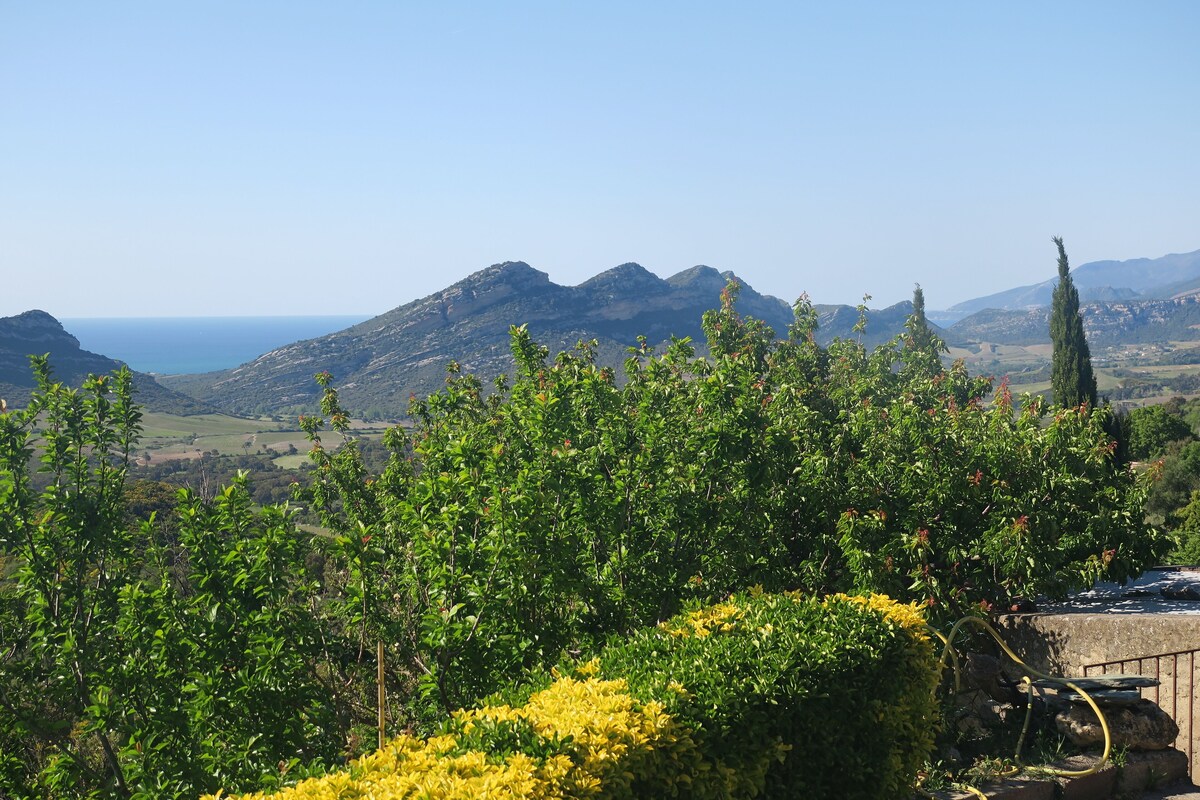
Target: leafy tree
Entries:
(224, 684)
(1152, 428)
(1188, 549)
(73, 549)
(562, 507)
(1177, 476)
(144, 498)
(1072, 381)
(131, 666)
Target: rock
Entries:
(1180, 592)
(1101, 682)
(970, 728)
(1106, 698)
(986, 674)
(1142, 726)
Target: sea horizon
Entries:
(191, 345)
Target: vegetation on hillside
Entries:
(549, 513)
(510, 530)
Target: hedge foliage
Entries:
(146, 660)
(568, 505)
(222, 647)
(764, 695)
(794, 696)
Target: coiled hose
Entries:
(949, 655)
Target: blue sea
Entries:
(179, 345)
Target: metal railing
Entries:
(1175, 693)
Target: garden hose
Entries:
(949, 654)
(964, 787)
(1028, 717)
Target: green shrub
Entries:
(1152, 428)
(1187, 551)
(567, 505)
(141, 659)
(759, 696)
(799, 696)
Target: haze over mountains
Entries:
(379, 363)
(1123, 302)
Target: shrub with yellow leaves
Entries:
(759, 696)
(576, 739)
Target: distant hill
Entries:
(379, 363)
(1000, 326)
(36, 333)
(883, 325)
(1102, 281)
(1106, 324)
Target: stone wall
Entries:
(1142, 632)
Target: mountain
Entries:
(1100, 281)
(883, 325)
(1106, 324)
(379, 363)
(1001, 326)
(36, 333)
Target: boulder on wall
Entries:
(1140, 726)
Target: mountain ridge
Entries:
(380, 362)
(1133, 279)
(35, 332)
(1106, 324)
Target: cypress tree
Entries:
(1071, 378)
(921, 336)
(923, 348)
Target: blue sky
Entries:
(188, 158)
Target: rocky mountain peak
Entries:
(379, 363)
(35, 327)
(630, 279)
(700, 275)
(36, 332)
(513, 273)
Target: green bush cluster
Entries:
(509, 528)
(794, 696)
(1153, 428)
(772, 696)
(565, 505)
(139, 659)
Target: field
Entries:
(170, 436)
(1159, 370)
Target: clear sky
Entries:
(211, 158)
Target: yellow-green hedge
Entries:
(612, 738)
(760, 696)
